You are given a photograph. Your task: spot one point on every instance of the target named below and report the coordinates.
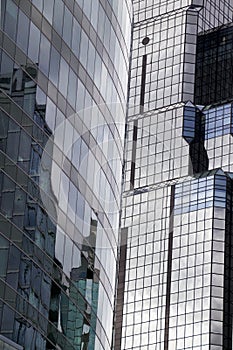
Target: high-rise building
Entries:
(63, 90)
(175, 268)
(64, 68)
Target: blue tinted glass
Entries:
(11, 19)
(67, 26)
(58, 16)
(23, 31)
(48, 10)
(226, 120)
(44, 55)
(76, 35)
(54, 66)
(34, 43)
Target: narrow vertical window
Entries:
(143, 83)
(132, 173)
(169, 268)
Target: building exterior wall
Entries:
(63, 91)
(177, 274)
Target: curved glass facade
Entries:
(63, 89)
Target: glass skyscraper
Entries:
(63, 90)
(65, 104)
(176, 258)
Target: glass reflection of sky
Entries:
(200, 193)
(218, 121)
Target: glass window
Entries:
(13, 259)
(50, 114)
(80, 96)
(4, 259)
(87, 7)
(34, 43)
(44, 55)
(72, 88)
(58, 16)
(6, 65)
(23, 31)
(101, 23)
(38, 4)
(80, 2)
(12, 145)
(68, 256)
(91, 60)
(76, 150)
(11, 19)
(64, 190)
(7, 319)
(83, 49)
(24, 146)
(48, 10)
(54, 66)
(67, 27)
(97, 71)
(94, 13)
(35, 161)
(83, 159)
(72, 202)
(63, 79)
(80, 206)
(107, 32)
(76, 37)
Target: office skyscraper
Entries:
(175, 269)
(60, 169)
(64, 68)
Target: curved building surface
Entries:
(63, 88)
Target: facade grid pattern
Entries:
(59, 124)
(177, 197)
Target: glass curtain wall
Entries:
(63, 91)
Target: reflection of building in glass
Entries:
(79, 327)
(23, 219)
(176, 258)
(6, 344)
(214, 66)
(58, 222)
